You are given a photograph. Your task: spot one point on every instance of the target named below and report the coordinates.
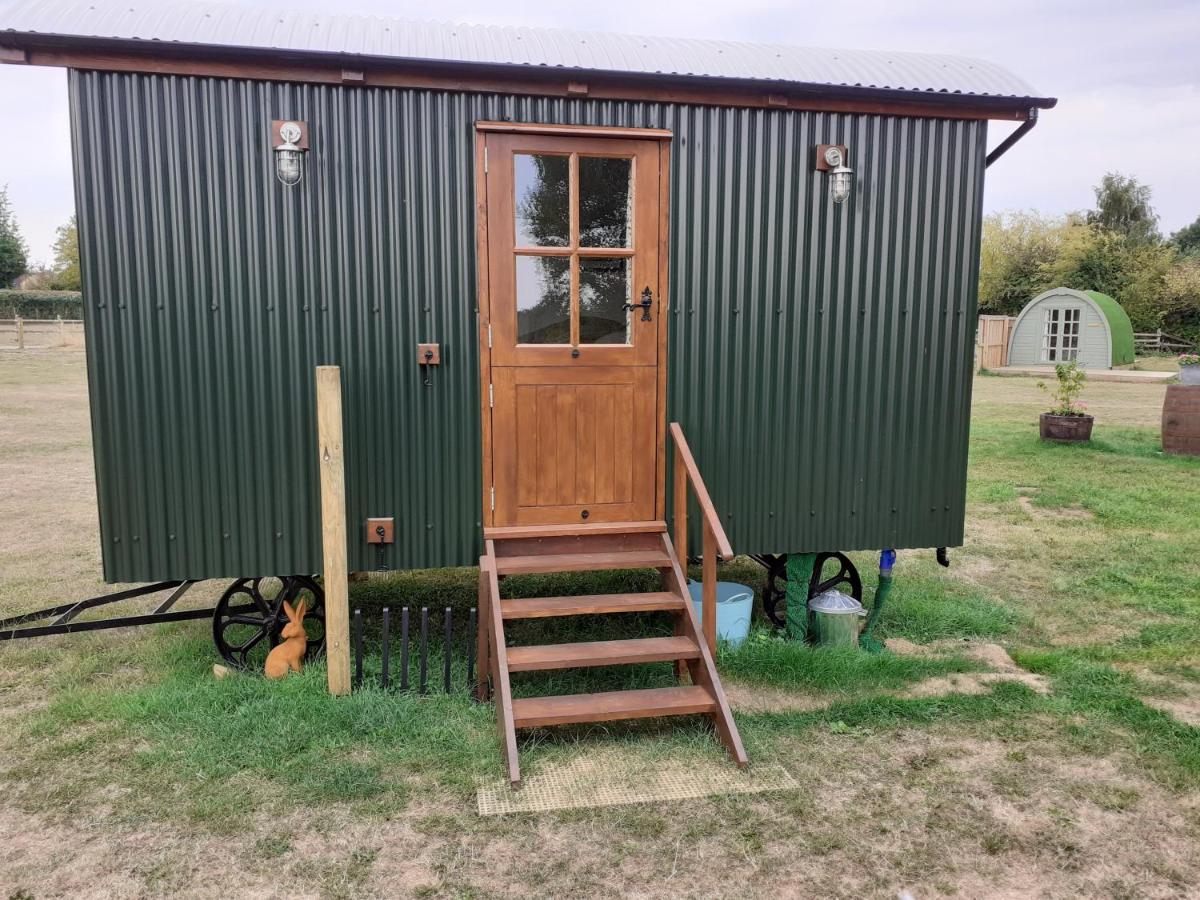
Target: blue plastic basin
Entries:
(735, 604)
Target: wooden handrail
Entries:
(716, 544)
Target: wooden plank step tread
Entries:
(600, 653)
(512, 532)
(531, 712)
(581, 562)
(589, 604)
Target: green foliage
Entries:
(1180, 305)
(1070, 386)
(1123, 207)
(66, 258)
(1187, 239)
(1016, 247)
(1088, 259)
(1115, 248)
(13, 252)
(41, 304)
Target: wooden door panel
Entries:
(574, 428)
(578, 440)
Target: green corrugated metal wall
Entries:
(820, 356)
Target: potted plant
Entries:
(1067, 420)
(1189, 368)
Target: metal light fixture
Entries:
(831, 158)
(290, 140)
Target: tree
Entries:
(1092, 258)
(13, 254)
(1015, 248)
(1123, 207)
(1187, 239)
(66, 258)
(1181, 298)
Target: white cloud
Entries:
(35, 154)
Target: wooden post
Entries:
(20, 333)
(708, 595)
(483, 665)
(681, 508)
(62, 332)
(333, 527)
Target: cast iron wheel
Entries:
(249, 617)
(842, 575)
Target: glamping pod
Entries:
(1062, 325)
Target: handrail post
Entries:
(708, 603)
(681, 507)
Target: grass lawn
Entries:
(942, 768)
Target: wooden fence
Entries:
(1161, 342)
(991, 341)
(40, 334)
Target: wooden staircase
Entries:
(635, 545)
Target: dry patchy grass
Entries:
(1043, 777)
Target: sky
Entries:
(1127, 78)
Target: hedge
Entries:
(41, 304)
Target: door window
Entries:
(573, 225)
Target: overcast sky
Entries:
(1127, 76)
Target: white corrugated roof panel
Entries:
(223, 25)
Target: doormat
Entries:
(584, 784)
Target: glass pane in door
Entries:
(605, 202)
(604, 289)
(543, 299)
(542, 201)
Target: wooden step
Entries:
(516, 532)
(589, 604)
(600, 653)
(581, 562)
(530, 712)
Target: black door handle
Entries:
(647, 301)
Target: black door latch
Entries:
(647, 301)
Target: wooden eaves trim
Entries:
(600, 86)
(607, 131)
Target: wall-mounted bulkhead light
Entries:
(289, 138)
(831, 158)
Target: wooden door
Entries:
(575, 327)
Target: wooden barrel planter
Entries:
(1181, 420)
(1065, 429)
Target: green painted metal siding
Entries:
(820, 356)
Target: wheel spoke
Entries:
(252, 643)
(246, 620)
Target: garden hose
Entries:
(887, 559)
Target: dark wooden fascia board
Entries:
(372, 72)
(609, 131)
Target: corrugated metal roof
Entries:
(222, 25)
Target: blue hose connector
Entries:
(887, 559)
